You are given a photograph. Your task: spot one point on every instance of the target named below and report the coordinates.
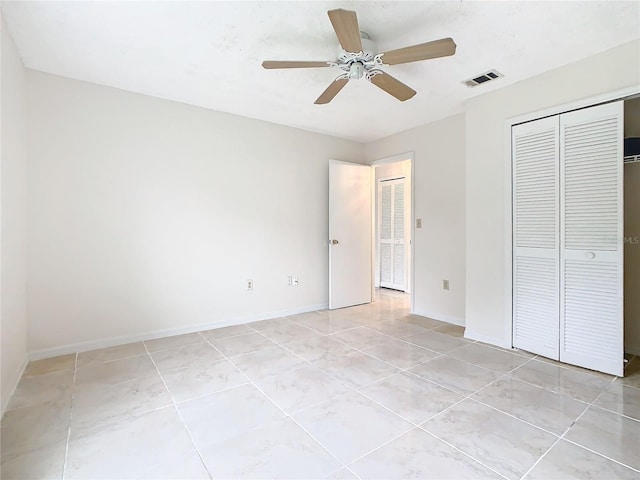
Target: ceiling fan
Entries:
(356, 58)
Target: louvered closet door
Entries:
(386, 235)
(536, 209)
(392, 241)
(399, 257)
(591, 314)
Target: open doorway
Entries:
(392, 219)
(632, 226)
(355, 266)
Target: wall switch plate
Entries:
(289, 280)
(249, 284)
(295, 281)
(445, 284)
(418, 223)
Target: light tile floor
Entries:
(364, 392)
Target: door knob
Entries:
(334, 242)
(591, 255)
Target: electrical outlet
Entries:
(249, 284)
(445, 284)
(289, 280)
(418, 223)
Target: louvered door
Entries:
(536, 250)
(591, 179)
(399, 257)
(392, 238)
(386, 234)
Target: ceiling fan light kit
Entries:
(356, 58)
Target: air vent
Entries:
(483, 78)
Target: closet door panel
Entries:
(591, 289)
(399, 260)
(392, 242)
(535, 155)
(386, 235)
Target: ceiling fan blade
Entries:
(438, 48)
(345, 24)
(393, 86)
(269, 64)
(331, 91)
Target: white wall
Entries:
(487, 176)
(13, 254)
(632, 235)
(148, 216)
(439, 246)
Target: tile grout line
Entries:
(533, 385)
(403, 340)
(175, 408)
(623, 415)
(392, 338)
(408, 369)
(394, 438)
(349, 386)
(399, 370)
(546, 387)
(286, 415)
(617, 380)
(204, 395)
(250, 381)
(355, 349)
(561, 437)
(514, 416)
(116, 420)
(573, 368)
(602, 455)
(421, 426)
(405, 370)
(451, 445)
(358, 388)
(418, 426)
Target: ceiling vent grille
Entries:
(483, 78)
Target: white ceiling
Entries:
(209, 53)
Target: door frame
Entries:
(592, 101)
(410, 156)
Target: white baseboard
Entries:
(138, 337)
(498, 342)
(441, 317)
(13, 386)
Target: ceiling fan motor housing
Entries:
(356, 70)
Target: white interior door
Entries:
(536, 244)
(591, 280)
(393, 256)
(350, 234)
